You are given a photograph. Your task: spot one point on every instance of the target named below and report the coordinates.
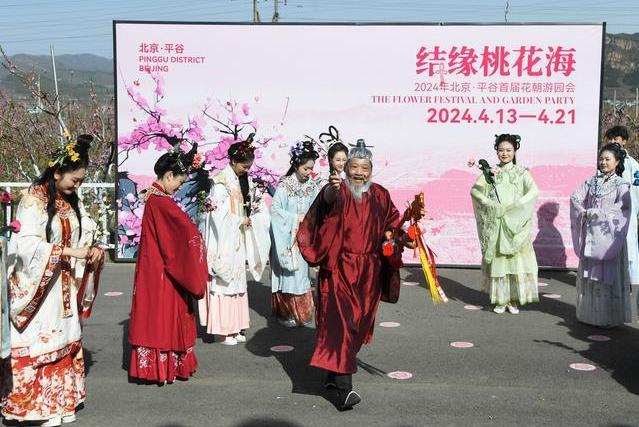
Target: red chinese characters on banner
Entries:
(523, 61)
(169, 48)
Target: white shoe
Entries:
(229, 341)
(68, 419)
(512, 309)
(499, 309)
(240, 338)
(53, 422)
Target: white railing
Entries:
(8, 186)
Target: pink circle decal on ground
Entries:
(473, 307)
(389, 324)
(400, 375)
(462, 344)
(582, 367)
(551, 296)
(411, 283)
(282, 348)
(113, 294)
(542, 284)
(600, 338)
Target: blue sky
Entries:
(80, 26)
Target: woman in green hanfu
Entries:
(504, 198)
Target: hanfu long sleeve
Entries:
(284, 230)
(222, 233)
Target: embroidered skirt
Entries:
(46, 386)
(151, 364)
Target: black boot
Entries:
(329, 382)
(347, 397)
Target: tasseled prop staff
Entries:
(426, 255)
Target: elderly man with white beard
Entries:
(343, 233)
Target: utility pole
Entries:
(38, 108)
(57, 95)
(276, 14)
(636, 102)
(506, 11)
(256, 13)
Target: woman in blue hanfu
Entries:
(600, 215)
(292, 301)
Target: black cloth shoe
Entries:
(348, 399)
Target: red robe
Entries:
(171, 270)
(345, 239)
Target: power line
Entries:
(56, 38)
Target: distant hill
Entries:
(621, 66)
(621, 70)
(74, 74)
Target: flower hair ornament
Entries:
(69, 151)
(244, 147)
(507, 137)
(303, 149)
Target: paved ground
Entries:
(517, 373)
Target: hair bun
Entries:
(84, 142)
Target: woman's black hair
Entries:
(302, 153)
(514, 140)
(64, 164)
(338, 147)
(620, 154)
(175, 161)
(242, 152)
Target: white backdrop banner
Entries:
(428, 98)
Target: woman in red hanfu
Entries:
(171, 270)
(53, 273)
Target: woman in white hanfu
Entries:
(53, 276)
(236, 233)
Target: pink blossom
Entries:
(130, 198)
(235, 120)
(6, 197)
(255, 124)
(15, 226)
(245, 109)
(198, 160)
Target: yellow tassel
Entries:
(436, 293)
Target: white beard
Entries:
(358, 190)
